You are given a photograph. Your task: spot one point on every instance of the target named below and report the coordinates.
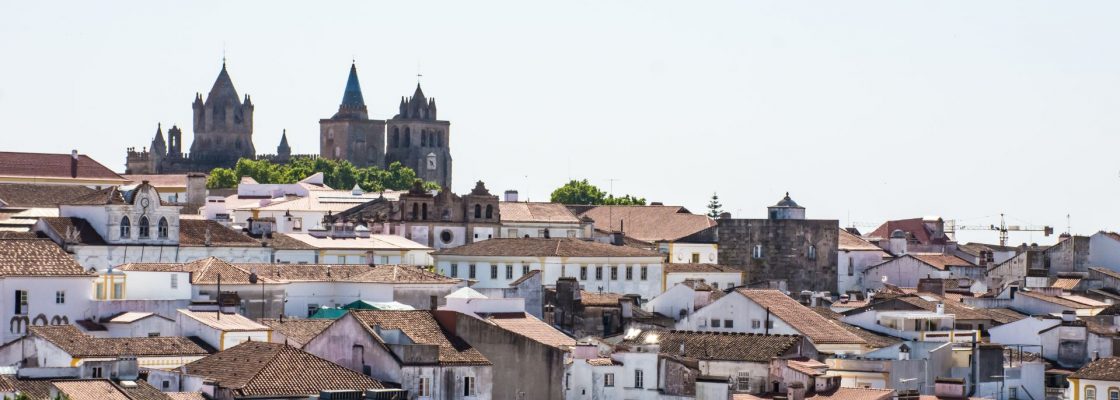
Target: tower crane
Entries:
(1003, 229)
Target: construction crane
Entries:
(1003, 229)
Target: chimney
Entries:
(898, 242)
(617, 239)
(73, 163)
(796, 391)
(1068, 316)
(940, 308)
(511, 195)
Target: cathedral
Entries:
(223, 133)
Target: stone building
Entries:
(784, 247)
(350, 134)
(420, 141)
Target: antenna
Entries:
(418, 74)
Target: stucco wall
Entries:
(526, 368)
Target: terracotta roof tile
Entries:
(690, 267)
(43, 165)
(78, 344)
(1066, 283)
(299, 331)
(185, 395)
(259, 369)
(650, 223)
(36, 195)
(85, 234)
(527, 325)
(1105, 369)
(36, 257)
(540, 247)
(224, 322)
(819, 329)
(33, 388)
(525, 277)
(159, 180)
(602, 362)
(914, 226)
(90, 389)
(850, 242)
(206, 270)
(604, 299)
(281, 241)
(536, 212)
(1054, 299)
(192, 233)
(722, 346)
(141, 390)
(941, 261)
(421, 327)
(873, 339)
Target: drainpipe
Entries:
(766, 323)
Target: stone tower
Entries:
(350, 134)
(223, 125)
(174, 142)
(420, 141)
(283, 151)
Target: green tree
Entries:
(626, 200)
(583, 192)
(221, 178)
(714, 207)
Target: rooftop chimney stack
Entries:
(511, 195)
(73, 163)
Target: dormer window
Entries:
(145, 229)
(162, 228)
(126, 228)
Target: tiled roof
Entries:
(842, 393)
(525, 277)
(280, 241)
(721, 346)
(42, 165)
(808, 367)
(1105, 369)
(851, 242)
(36, 257)
(873, 339)
(206, 271)
(109, 195)
(1003, 315)
(299, 331)
(819, 329)
(78, 344)
(1105, 271)
(36, 195)
(649, 223)
(1066, 283)
(141, 390)
(34, 388)
(602, 362)
(86, 234)
(185, 395)
(604, 299)
(1054, 299)
(224, 322)
(941, 261)
(913, 226)
(260, 369)
(90, 389)
(527, 325)
(540, 247)
(536, 212)
(422, 328)
(961, 311)
(192, 233)
(160, 180)
(690, 267)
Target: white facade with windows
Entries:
(43, 300)
(626, 275)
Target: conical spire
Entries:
(284, 140)
(223, 91)
(418, 95)
(283, 150)
(352, 97)
(158, 144)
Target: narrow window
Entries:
(477, 211)
(629, 273)
(1090, 393)
(851, 268)
(525, 269)
(162, 228)
(454, 270)
(583, 272)
(425, 389)
(471, 271)
(599, 273)
(645, 272)
(60, 297)
(424, 212)
(489, 211)
(126, 228)
(509, 272)
(174, 281)
(608, 380)
(415, 210)
(118, 290)
(100, 290)
(812, 252)
(614, 273)
(755, 324)
(493, 271)
(468, 386)
(695, 258)
(757, 252)
(638, 381)
(1113, 394)
(21, 302)
(96, 373)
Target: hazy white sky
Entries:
(864, 111)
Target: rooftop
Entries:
(39, 195)
(78, 344)
(536, 212)
(699, 268)
(1105, 369)
(422, 328)
(36, 257)
(54, 166)
(225, 322)
(206, 271)
(299, 331)
(723, 346)
(649, 223)
(850, 242)
(527, 325)
(259, 369)
(540, 247)
(817, 328)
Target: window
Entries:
(145, 230)
(715, 323)
(599, 273)
(471, 271)
(311, 309)
(541, 233)
(1012, 393)
(489, 211)
(425, 387)
(60, 297)
(769, 324)
(153, 334)
(477, 211)
(509, 272)
(728, 323)
(812, 252)
(1113, 394)
(1090, 393)
(166, 386)
(571, 233)
(614, 273)
(757, 251)
(174, 281)
(638, 381)
(468, 386)
(524, 270)
(629, 273)
(743, 381)
(100, 290)
(161, 229)
(454, 270)
(493, 272)
(118, 290)
(95, 372)
(755, 324)
(126, 228)
(715, 285)
(583, 272)
(21, 302)
(608, 380)
(695, 258)
(851, 268)
(645, 272)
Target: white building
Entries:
(539, 220)
(66, 347)
(854, 256)
(42, 284)
(1099, 379)
(673, 230)
(358, 246)
(771, 312)
(715, 275)
(597, 266)
(221, 330)
(682, 299)
(906, 270)
(299, 214)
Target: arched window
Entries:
(407, 137)
(145, 229)
(812, 252)
(126, 228)
(477, 211)
(1113, 393)
(439, 138)
(396, 138)
(415, 210)
(1090, 393)
(424, 211)
(489, 211)
(162, 228)
(423, 138)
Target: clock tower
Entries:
(418, 140)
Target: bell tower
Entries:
(420, 141)
(223, 125)
(350, 134)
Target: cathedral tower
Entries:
(350, 134)
(223, 125)
(420, 141)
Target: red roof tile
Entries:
(649, 223)
(819, 329)
(56, 166)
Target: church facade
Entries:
(223, 133)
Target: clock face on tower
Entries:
(431, 162)
(144, 202)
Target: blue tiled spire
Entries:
(352, 97)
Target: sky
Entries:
(862, 110)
